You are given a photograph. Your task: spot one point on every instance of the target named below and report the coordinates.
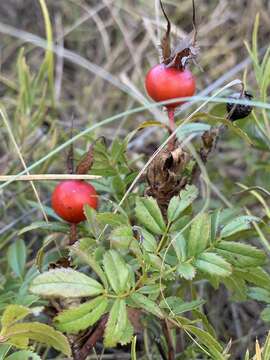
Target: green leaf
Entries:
(122, 236)
(206, 324)
(241, 255)
(42, 333)
(215, 216)
(80, 318)
(149, 215)
(91, 217)
(12, 314)
(179, 203)
(50, 227)
(146, 124)
(4, 349)
(213, 264)
(127, 334)
(257, 276)
(64, 282)
(199, 235)
(17, 257)
(117, 324)
(150, 289)
(178, 306)
(24, 355)
(146, 304)
(116, 271)
(149, 242)
(180, 246)
(259, 294)
(265, 314)
(207, 340)
(82, 251)
(237, 286)
(186, 270)
(179, 224)
(112, 219)
(239, 224)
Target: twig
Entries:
(168, 337)
(93, 339)
(49, 177)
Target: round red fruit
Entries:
(69, 198)
(164, 83)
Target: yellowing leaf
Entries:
(64, 282)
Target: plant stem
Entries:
(73, 234)
(171, 113)
(168, 337)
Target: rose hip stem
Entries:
(171, 113)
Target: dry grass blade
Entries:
(49, 177)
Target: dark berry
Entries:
(239, 111)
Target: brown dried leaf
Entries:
(86, 163)
(165, 176)
(166, 41)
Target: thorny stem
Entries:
(171, 113)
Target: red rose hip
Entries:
(164, 83)
(69, 198)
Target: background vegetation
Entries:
(104, 49)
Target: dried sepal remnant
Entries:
(166, 40)
(185, 50)
(165, 175)
(87, 161)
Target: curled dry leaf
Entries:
(165, 176)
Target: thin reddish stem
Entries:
(171, 113)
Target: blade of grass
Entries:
(6, 122)
(113, 118)
(49, 57)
